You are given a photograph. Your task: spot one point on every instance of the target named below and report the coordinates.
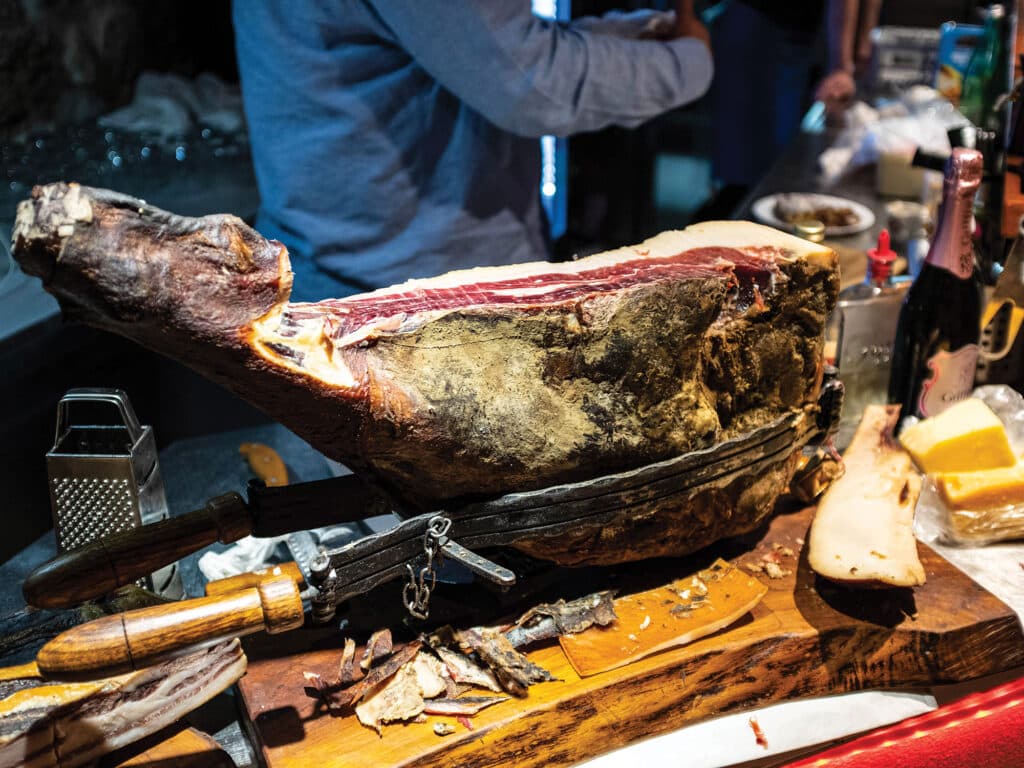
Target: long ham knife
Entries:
(137, 638)
(102, 566)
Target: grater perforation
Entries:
(105, 479)
(91, 508)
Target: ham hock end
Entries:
(480, 382)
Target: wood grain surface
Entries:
(255, 578)
(806, 638)
(134, 639)
(185, 748)
(103, 565)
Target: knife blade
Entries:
(359, 566)
(106, 564)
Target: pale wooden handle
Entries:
(102, 566)
(135, 639)
(255, 578)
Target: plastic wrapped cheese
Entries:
(982, 489)
(966, 437)
(980, 506)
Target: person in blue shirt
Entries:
(395, 139)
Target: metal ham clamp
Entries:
(409, 549)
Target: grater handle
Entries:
(134, 639)
(115, 397)
(103, 565)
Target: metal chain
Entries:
(416, 593)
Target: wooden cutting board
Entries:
(806, 638)
(184, 748)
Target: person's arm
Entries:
(869, 13)
(533, 77)
(688, 25)
(838, 88)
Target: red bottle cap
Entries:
(880, 259)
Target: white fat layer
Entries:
(428, 675)
(864, 526)
(402, 697)
(173, 695)
(709, 234)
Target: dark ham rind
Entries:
(348, 670)
(473, 384)
(189, 288)
(377, 648)
(380, 674)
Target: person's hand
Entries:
(688, 25)
(836, 92)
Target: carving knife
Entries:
(106, 564)
(358, 567)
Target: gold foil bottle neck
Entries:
(810, 229)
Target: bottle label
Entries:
(952, 380)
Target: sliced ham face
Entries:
(478, 382)
(309, 336)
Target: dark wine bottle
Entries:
(936, 348)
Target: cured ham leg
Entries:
(474, 383)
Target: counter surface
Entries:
(197, 469)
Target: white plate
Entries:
(764, 211)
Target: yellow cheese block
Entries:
(984, 488)
(966, 437)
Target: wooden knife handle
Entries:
(104, 565)
(255, 578)
(134, 639)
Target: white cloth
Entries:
(170, 106)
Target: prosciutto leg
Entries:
(474, 383)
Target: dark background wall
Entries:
(69, 61)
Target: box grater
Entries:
(104, 477)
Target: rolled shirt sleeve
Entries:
(532, 77)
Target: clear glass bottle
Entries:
(863, 326)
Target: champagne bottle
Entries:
(936, 348)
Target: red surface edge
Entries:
(982, 730)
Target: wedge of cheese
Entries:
(964, 438)
(982, 489)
